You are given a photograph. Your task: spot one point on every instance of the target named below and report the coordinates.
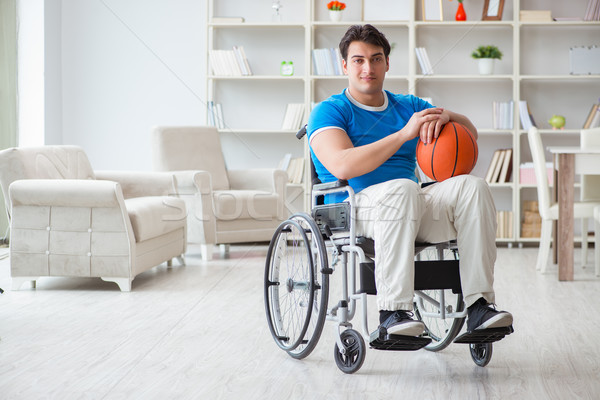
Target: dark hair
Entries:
(364, 33)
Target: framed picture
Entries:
(492, 10)
(432, 10)
(385, 10)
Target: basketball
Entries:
(453, 153)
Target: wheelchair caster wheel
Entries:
(481, 353)
(355, 350)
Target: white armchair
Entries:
(224, 206)
(66, 220)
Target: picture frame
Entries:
(432, 10)
(492, 10)
(384, 10)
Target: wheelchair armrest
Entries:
(331, 185)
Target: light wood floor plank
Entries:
(199, 332)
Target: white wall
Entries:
(128, 65)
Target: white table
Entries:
(570, 161)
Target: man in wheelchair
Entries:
(368, 136)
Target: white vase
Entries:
(335, 16)
(486, 66)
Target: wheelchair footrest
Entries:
(383, 341)
(484, 335)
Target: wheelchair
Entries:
(296, 287)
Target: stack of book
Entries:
(294, 116)
(535, 16)
(503, 114)
(215, 115)
(424, 63)
(500, 169)
(327, 61)
(532, 221)
(229, 62)
(593, 118)
(504, 220)
(592, 12)
(294, 168)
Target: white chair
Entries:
(224, 206)
(549, 212)
(68, 220)
(590, 184)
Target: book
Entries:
(492, 166)
(527, 120)
(285, 162)
(294, 116)
(229, 62)
(229, 20)
(424, 62)
(502, 114)
(498, 166)
(593, 111)
(595, 122)
(295, 170)
(535, 15)
(506, 170)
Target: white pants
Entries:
(397, 213)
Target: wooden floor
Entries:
(199, 332)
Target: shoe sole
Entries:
(500, 320)
(407, 329)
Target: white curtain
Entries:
(8, 86)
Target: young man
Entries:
(368, 136)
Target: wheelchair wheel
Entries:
(441, 331)
(481, 353)
(296, 291)
(354, 354)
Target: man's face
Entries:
(366, 66)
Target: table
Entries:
(571, 160)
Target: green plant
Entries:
(490, 51)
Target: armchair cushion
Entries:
(153, 216)
(246, 204)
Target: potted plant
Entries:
(335, 10)
(486, 56)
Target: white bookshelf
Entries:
(535, 67)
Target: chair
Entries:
(590, 184)
(224, 206)
(67, 220)
(549, 212)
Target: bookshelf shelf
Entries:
(535, 68)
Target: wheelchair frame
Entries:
(306, 289)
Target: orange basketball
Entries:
(453, 153)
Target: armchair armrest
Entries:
(65, 192)
(140, 184)
(269, 180)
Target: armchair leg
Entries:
(18, 281)
(124, 283)
(181, 260)
(206, 251)
(224, 249)
(170, 263)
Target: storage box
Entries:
(585, 60)
(527, 174)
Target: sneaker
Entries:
(401, 323)
(482, 315)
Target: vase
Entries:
(486, 66)
(335, 15)
(460, 13)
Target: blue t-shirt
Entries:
(364, 125)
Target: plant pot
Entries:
(486, 66)
(335, 16)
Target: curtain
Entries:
(8, 86)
